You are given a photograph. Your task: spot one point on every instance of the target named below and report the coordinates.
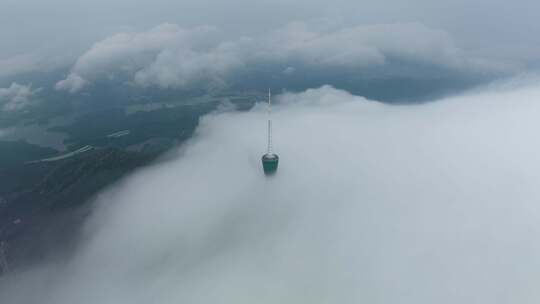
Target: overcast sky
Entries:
(491, 27)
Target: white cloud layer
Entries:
(171, 56)
(431, 203)
(16, 97)
(40, 60)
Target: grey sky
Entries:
(494, 28)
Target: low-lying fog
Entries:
(372, 203)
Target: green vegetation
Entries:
(176, 123)
(15, 153)
(43, 203)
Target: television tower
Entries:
(270, 160)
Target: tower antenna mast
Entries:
(269, 151)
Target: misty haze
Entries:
(270, 152)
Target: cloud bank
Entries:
(431, 203)
(491, 28)
(169, 56)
(17, 97)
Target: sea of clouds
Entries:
(372, 203)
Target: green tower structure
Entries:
(270, 160)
